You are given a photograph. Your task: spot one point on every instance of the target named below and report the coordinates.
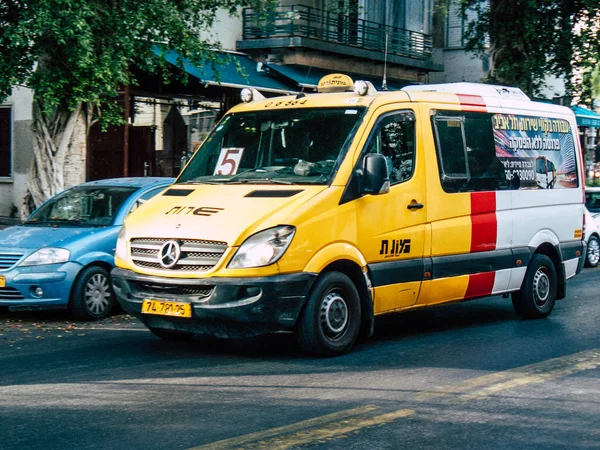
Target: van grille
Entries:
(190, 292)
(197, 255)
(7, 260)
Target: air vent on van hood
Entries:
(270, 193)
(178, 192)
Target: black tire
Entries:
(330, 322)
(536, 298)
(592, 255)
(171, 335)
(92, 296)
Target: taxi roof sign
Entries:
(335, 82)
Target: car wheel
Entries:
(92, 297)
(171, 335)
(330, 321)
(592, 256)
(536, 298)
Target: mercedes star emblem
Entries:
(169, 254)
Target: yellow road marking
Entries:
(335, 430)
(330, 426)
(509, 379)
(292, 428)
(339, 425)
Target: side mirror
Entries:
(376, 179)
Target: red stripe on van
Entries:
(472, 100)
(480, 284)
(484, 225)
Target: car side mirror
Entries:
(375, 174)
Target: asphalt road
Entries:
(470, 375)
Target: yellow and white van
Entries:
(316, 212)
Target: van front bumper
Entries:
(221, 307)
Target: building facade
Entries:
(16, 149)
(388, 42)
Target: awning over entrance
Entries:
(586, 118)
(227, 74)
(308, 77)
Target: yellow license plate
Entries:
(163, 308)
(2, 281)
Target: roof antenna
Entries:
(303, 86)
(384, 82)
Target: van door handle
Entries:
(415, 205)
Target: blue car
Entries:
(61, 256)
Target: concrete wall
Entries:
(12, 189)
(458, 66)
(226, 30)
(555, 87)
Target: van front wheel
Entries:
(330, 321)
(537, 295)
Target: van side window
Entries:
(394, 138)
(466, 152)
(451, 151)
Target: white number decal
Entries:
(229, 161)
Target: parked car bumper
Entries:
(222, 307)
(22, 284)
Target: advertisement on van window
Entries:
(537, 152)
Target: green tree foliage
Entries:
(77, 54)
(529, 39)
(596, 82)
(73, 52)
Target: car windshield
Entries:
(592, 201)
(85, 206)
(283, 146)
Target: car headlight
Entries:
(263, 248)
(48, 255)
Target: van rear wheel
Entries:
(330, 321)
(592, 256)
(536, 298)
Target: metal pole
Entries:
(384, 83)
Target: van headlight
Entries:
(48, 255)
(263, 248)
(121, 248)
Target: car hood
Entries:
(26, 238)
(217, 212)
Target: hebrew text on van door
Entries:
(537, 152)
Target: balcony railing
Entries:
(335, 28)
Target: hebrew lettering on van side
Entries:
(398, 246)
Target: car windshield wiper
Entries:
(58, 221)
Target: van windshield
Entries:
(283, 146)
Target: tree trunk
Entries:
(58, 137)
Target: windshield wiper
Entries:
(57, 221)
(237, 179)
(219, 181)
(261, 181)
